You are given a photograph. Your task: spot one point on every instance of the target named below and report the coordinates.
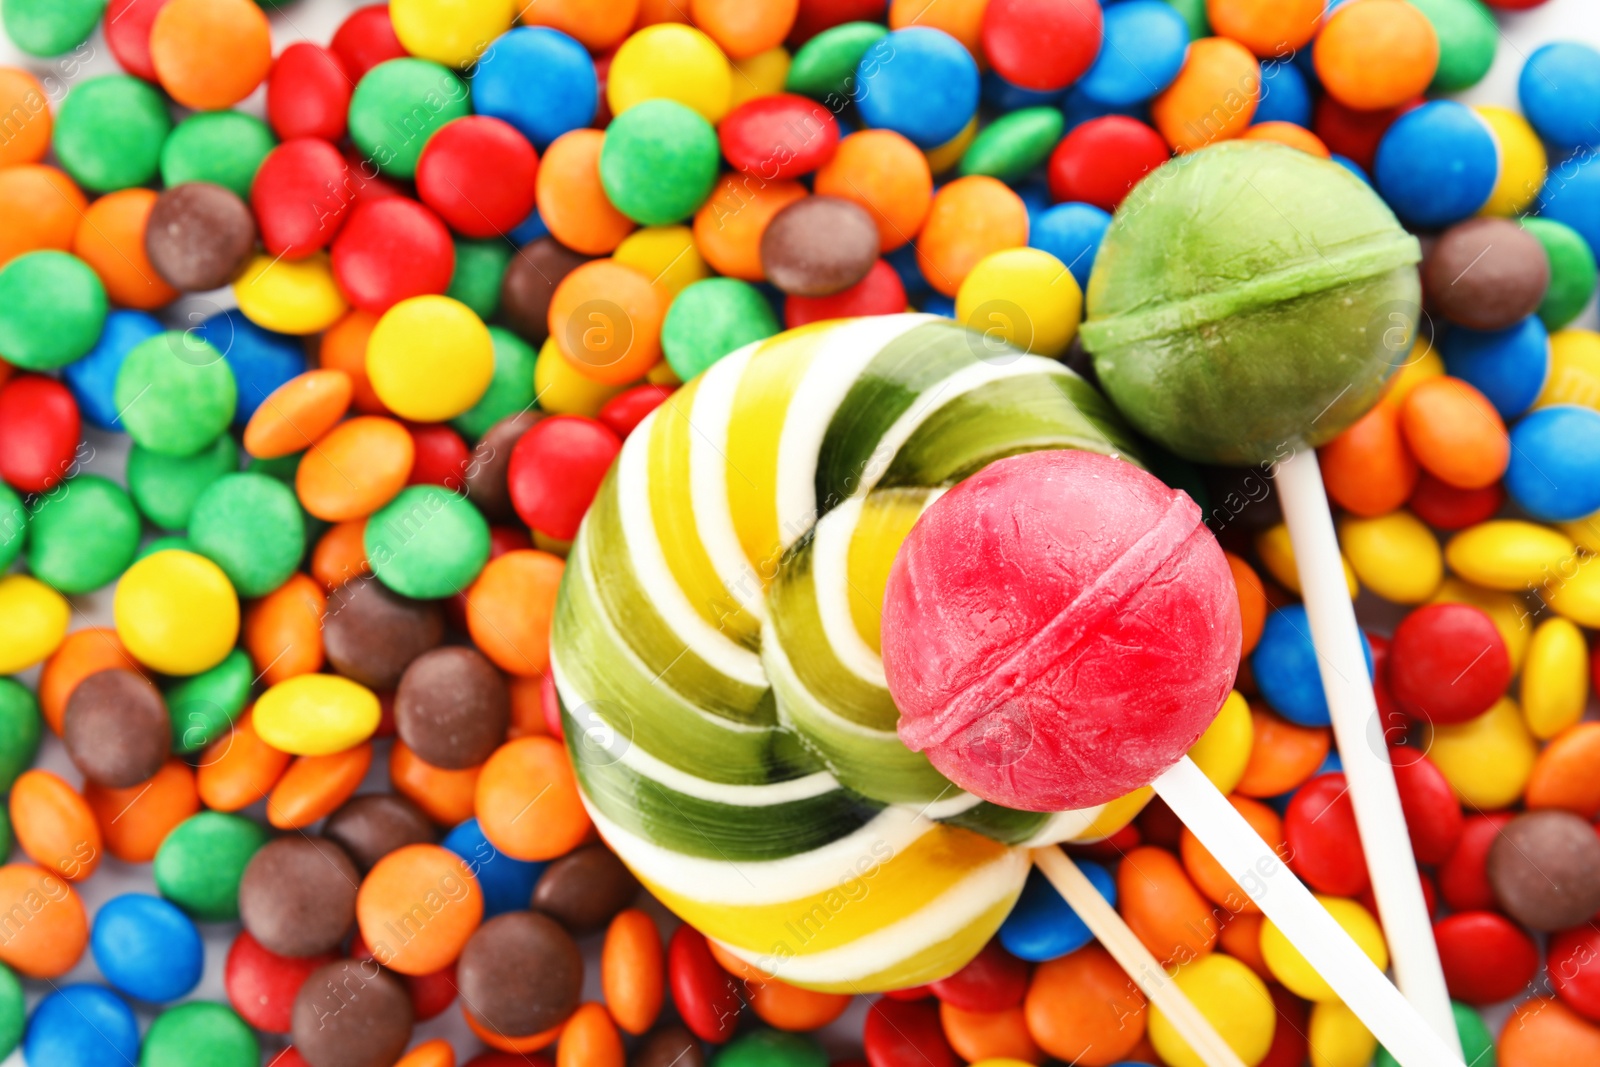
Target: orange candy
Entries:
(1252, 601)
(1282, 755)
(1272, 29)
(786, 1007)
(887, 175)
(1213, 98)
(210, 54)
(1544, 1031)
(1564, 774)
(1290, 134)
(355, 469)
(495, 1039)
(111, 240)
(632, 971)
(341, 554)
(1163, 907)
(42, 207)
(417, 907)
(961, 19)
(605, 318)
(435, 1053)
(1376, 54)
(1367, 469)
(652, 12)
(969, 218)
(84, 652)
(55, 826)
(527, 701)
(1454, 432)
(298, 412)
(135, 820)
(1084, 1009)
(1211, 877)
(599, 25)
(571, 200)
(742, 29)
(527, 800)
(27, 118)
(509, 609)
(982, 1035)
(344, 347)
(590, 1039)
(46, 928)
(729, 225)
(283, 630)
(1241, 939)
(238, 768)
(314, 786)
(446, 797)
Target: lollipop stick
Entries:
(1305, 922)
(1126, 948)
(1362, 746)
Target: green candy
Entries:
(13, 525)
(166, 487)
(161, 544)
(19, 735)
(427, 542)
(201, 861)
(1477, 1043)
(1194, 13)
(1467, 39)
(109, 133)
(52, 309)
(398, 106)
(13, 1008)
(658, 162)
(1243, 302)
(771, 1048)
(825, 67)
(1572, 271)
(711, 318)
(47, 28)
(480, 267)
(85, 532)
(221, 147)
(201, 1033)
(176, 394)
(1015, 143)
(283, 468)
(204, 705)
(510, 390)
(252, 527)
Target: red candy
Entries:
(1319, 827)
(261, 985)
(994, 981)
(1463, 877)
(1448, 663)
(815, 16)
(706, 995)
(1445, 507)
(308, 93)
(431, 993)
(1289, 1046)
(550, 704)
(442, 456)
(39, 432)
(366, 39)
(1354, 134)
(1574, 965)
(1396, 723)
(1433, 814)
(478, 173)
(1042, 44)
(301, 196)
(1099, 161)
(628, 409)
(781, 136)
(127, 26)
(1487, 958)
(390, 250)
(555, 471)
(901, 1033)
(879, 293)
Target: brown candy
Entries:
(819, 245)
(372, 633)
(670, 1045)
(1486, 274)
(351, 1013)
(298, 895)
(520, 974)
(1544, 868)
(371, 826)
(585, 889)
(199, 236)
(117, 729)
(452, 708)
(491, 457)
(530, 279)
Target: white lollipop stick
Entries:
(1282, 898)
(1362, 746)
(1126, 948)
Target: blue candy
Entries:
(147, 948)
(1350, 165)
(1145, 44)
(93, 378)
(1508, 366)
(1042, 926)
(260, 359)
(1003, 96)
(939, 304)
(507, 883)
(1331, 763)
(919, 82)
(81, 1026)
(1071, 233)
(539, 80)
(529, 229)
(1554, 472)
(1560, 94)
(904, 262)
(1285, 94)
(1571, 195)
(1079, 109)
(1284, 666)
(1437, 164)
(1035, 197)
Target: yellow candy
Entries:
(1394, 555)
(1510, 554)
(561, 390)
(667, 254)
(316, 715)
(1277, 554)
(762, 74)
(1575, 592)
(1424, 363)
(673, 62)
(1585, 531)
(1555, 680)
(1023, 296)
(1232, 997)
(662, 374)
(1297, 975)
(176, 612)
(290, 296)
(33, 621)
(945, 156)
(1223, 750)
(1574, 370)
(453, 32)
(1523, 162)
(1337, 1038)
(430, 358)
(1487, 760)
(1508, 612)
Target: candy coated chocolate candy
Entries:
(372, 634)
(199, 236)
(351, 1014)
(584, 890)
(117, 729)
(452, 707)
(1486, 274)
(1544, 869)
(1448, 663)
(530, 280)
(818, 246)
(487, 470)
(372, 825)
(298, 895)
(669, 1046)
(521, 974)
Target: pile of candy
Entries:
(469, 258)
